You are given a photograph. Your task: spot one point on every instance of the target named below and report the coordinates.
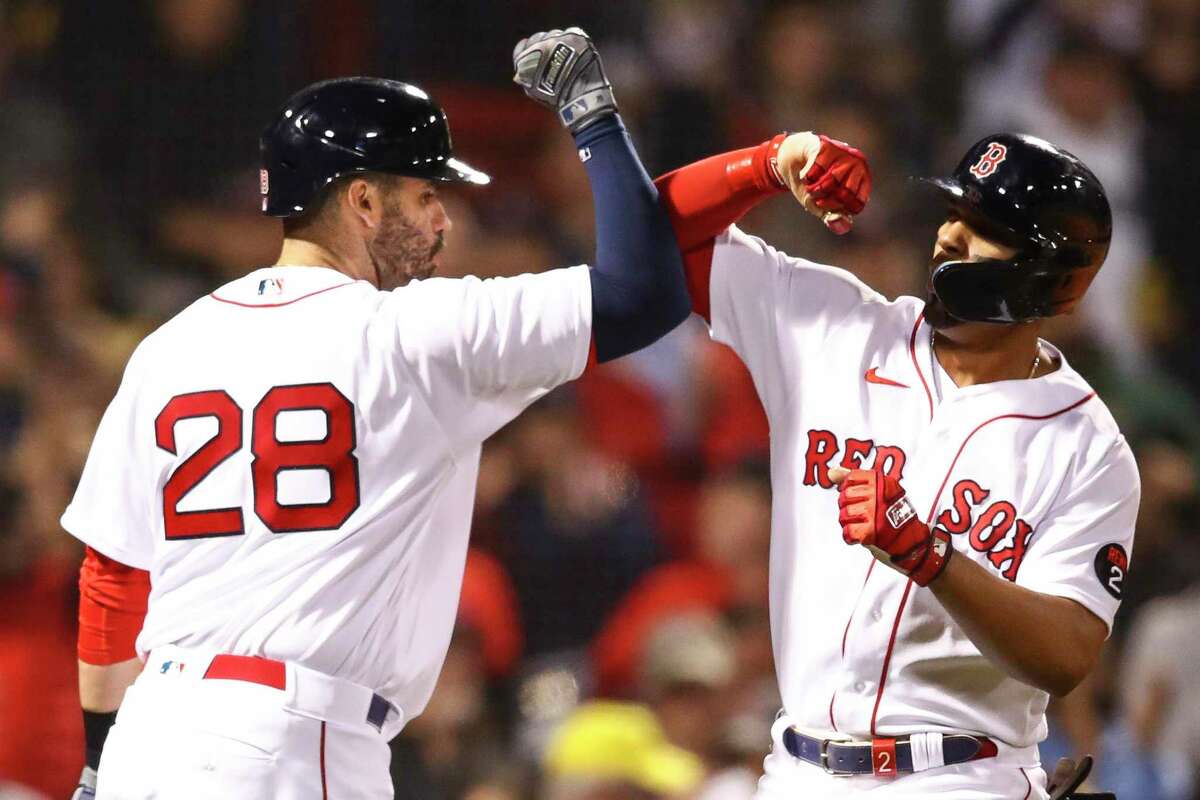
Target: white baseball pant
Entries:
(180, 735)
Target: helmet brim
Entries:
(457, 171)
(948, 187)
(966, 200)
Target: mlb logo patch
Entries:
(264, 182)
(270, 286)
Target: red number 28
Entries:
(334, 454)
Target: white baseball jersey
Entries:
(1031, 477)
(293, 458)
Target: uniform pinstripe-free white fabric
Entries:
(294, 458)
(1031, 477)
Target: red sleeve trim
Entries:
(112, 607)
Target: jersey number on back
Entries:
(334, 454)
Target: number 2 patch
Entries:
(1112, 565)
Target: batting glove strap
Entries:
(933, 560)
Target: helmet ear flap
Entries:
(1005, 292)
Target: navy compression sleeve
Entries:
(638, 289)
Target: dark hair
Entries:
(326, 198)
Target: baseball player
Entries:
(289, 465)
(953, 505)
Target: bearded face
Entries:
(411, 234)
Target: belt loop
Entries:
(926, 751)
(377, 713)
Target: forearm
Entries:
(101, 690)
(102, 686)
(708, 196)
(1045, 641)
(638, 290)
(112, 607)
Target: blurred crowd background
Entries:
(613, 637)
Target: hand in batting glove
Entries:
(876, 513)
(86, 788)
(562, 70)
(831, 179)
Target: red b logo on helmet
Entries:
(988, 162)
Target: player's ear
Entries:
(365, 202)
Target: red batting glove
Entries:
(876, 513)
(839, 179)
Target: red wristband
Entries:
(937, 555)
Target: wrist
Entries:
(96, 725)
(597, 128)
(938, 551)
(757, 168)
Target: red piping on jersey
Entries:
(286, 302)
(912, 351)
(846, 632)
(929, 518)
(855, 608)
(1028, 783)
(980, 427)
(887, 658)
(324, 786)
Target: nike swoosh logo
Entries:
(871, 377)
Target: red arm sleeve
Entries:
(112, 606)
(708, 196)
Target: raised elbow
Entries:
(1064, 677)
(1061, 685)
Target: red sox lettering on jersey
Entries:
(1031, 479)
(988, 526)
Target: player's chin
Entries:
(425, 270)
(937, 316)
(407, 273)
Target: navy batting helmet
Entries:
(347, 125)
(1045, 203)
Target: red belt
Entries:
(269, 672)
(252, 669)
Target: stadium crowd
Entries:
(613, 639)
